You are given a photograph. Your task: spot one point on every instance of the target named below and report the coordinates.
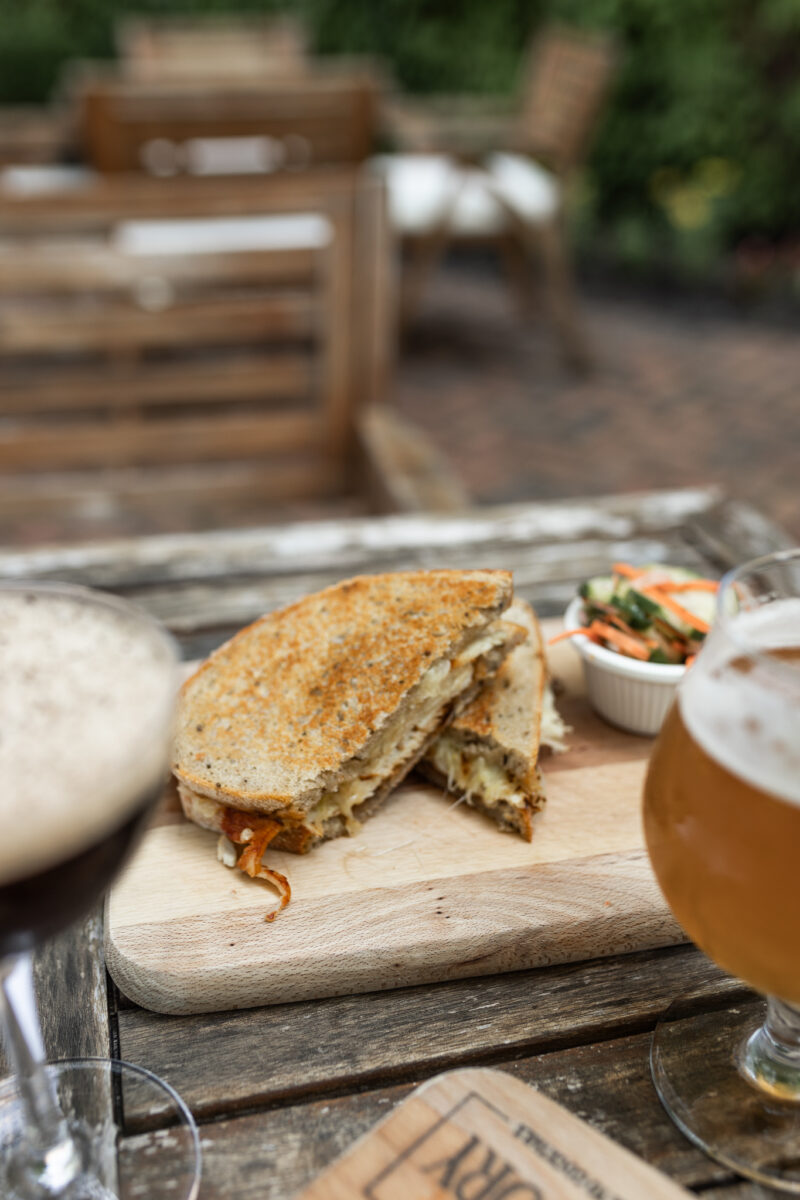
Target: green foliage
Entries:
(701, 140)
(698, 148)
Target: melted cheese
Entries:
(402, 737)
(480, 645)
(473, 773)
(400, 740)
(226, 851)
(553, 729)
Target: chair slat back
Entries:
(162, 48)
(32, 134)
(244, 126)
(131, 367)
(566, 80)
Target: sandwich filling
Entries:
(553, 728)
(404, 737)
(479, 771)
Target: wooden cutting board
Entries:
(485, 1135)
(425, 892)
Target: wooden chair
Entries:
(243, 126)
(33, 134)
(169, 48)
(516, 198)
(194, 369)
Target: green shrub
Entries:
(700, 142)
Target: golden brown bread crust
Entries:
(268, 720)
(507, 712)
(297, 837)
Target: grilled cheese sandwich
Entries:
(298, 728)
(489, 753)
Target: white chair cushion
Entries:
(219, 235)
(529, 190)
(421, 188)
(424, 189)
(38, 180)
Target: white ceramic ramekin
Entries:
(631, 694)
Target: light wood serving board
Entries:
(425, 892)
(482, 1133)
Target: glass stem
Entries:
(47, 1133)
(770, 1058)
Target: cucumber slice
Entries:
(606, 595)
(600, 589)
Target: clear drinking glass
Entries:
(722, 824)
(87, 691)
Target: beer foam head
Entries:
(742, 706)
(86, 696)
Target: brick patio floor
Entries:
(679, 396)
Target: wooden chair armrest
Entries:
(403, 471)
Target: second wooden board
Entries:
(427, 891)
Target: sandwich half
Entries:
(296, 729)
(489, 754)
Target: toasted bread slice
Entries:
(489, 754)
(308, 718)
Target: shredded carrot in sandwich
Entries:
(262, 831)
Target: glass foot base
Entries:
(128, 1136)
(696, 1063)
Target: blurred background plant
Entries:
(695, 170)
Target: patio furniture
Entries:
(173, 354)
(242, 125)
(467, 173)
(34, 134)
(280, 1091)
(215, 46)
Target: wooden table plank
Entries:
(354, 544)
(374, 1039)
(70, 981)
(733, 532)
(296, 1074)
(548, 575)
(274, 1153)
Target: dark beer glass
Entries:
(87, 691)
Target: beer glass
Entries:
(87, 691)
(722, 824)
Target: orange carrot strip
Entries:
(690, 660)
(568, 633)
(661, 597)
(626, 570)
(625, 629)
(628, 645)
(691, 585)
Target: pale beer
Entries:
(722, 800)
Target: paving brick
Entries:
(676, 398)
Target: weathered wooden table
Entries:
(280, 1091)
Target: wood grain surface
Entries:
(282, 1091)
(482, 1128)
(426, 891)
